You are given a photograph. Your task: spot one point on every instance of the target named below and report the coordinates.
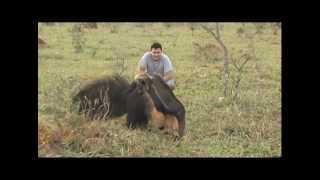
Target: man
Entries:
(156, 62)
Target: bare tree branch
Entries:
(210, 31)
(217, 30)
(243, 63)
(225, 52)
(239, 65)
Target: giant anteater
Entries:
(146, 98)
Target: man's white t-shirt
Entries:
(160, 67)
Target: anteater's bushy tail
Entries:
(103, 98)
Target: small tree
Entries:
(275, 27)
(90, 25)
(238, 64)
(192, 27)
(240, 31)
(78, 40)
(114, 28)
(167, 25)
(49, 23)
(215, 32)
(250, 36)
(42, 43)
(259, 27)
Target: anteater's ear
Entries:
(144, 83)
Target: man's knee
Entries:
(172, 87)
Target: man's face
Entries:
(156, 53)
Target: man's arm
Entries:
(168, 76)
(140, 71)
(168, 69)
(141, 66)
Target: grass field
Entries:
(216, 126)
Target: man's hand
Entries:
(168, 76)
(139, 72)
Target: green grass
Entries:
(215, 127)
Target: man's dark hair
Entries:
(156, 45)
